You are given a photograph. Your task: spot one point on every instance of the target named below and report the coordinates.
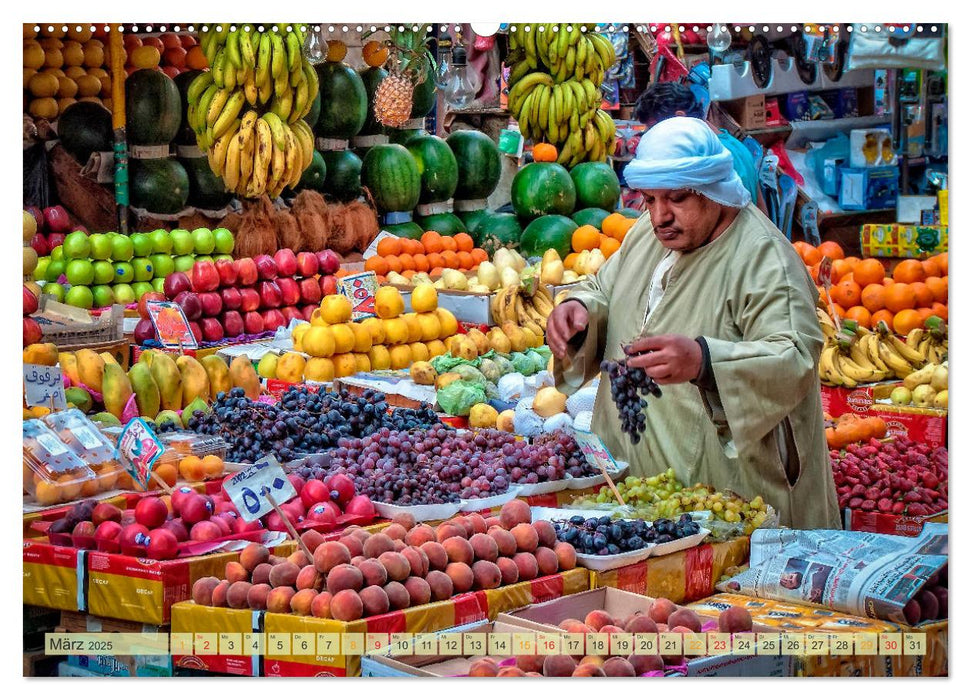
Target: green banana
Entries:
(233, 50)
(198, 86)
(294, 51)
(278, 62)
(263, 60)
(276, 129)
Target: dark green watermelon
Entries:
(342, 175)
(406, 230)
(343, 101)
(494, 230)
(186, 136)
(402, 136)
(479, 163)
(160, 185)
(371, 78)
(206, 189)
(590, 216)
(596, 185)
(85, 128)
(153, 108)
(630, 213)
(436, 166)
(543, 188)
(424, 94)
(446, 223)
(547, 232)
(315, 175)
(472, 218)
(391, 175)
(314, 114)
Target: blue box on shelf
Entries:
(868, 188)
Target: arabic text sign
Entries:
(248, 489)
(42, 385)
(139, 449)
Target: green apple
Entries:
(122, 249)
(54, 270)
(77, 246)
(142, 288)
(184, 263)
(55, 290)
(124, 294)
(161, 241)
(163, 264)
(182, 243)
(224, 240)
(124, 273)
(103, 295)
(222, 257)
(204, 258)
(204, 241)
(79, 296)
(41, 270)
(79, 272)
(158, 284)
(104, 272)
(57, 253)
(143, 269)
(141, 244)
(100, 246)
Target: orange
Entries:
(859, 314)
(436, 272)
(812, 256)
(887, 281)
(877, 426)
(432, 242)
(389, 246)
(900, 296)
(938, 287)
(449, 244)
(853, 261)
(213, 466)
(394, 263)
(377, 265)
(614, 224)
(905, 321)
(924, 314)
(168, 472)
(407, 262)
(421, 262)
(464, 242)
(375, 53)
(846, 293)
(841, 268)
(800, 247)
(451, 258)
(869, 271)
(882, 315)
(465, 259)
(942, 263)
(609, 246)
(939, 309)
(814, 273)
(195, 58)
(586, 237)
(831, 250)
(408, 274)
(908, 271)
(840, 311)
(479, 255)
(570, 260)
(415, 247)
(925, 297)
(544, 153)
(873, 297)
(435, 260)
(931, 268)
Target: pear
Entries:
(939, 379)
(168, 417)
(901, 396)
(940, 401)
(197, 404)
(923, 395)
(267, 366)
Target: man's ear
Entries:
(680, 113)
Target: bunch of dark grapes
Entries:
(564, 445)
(628, 386)
(603, 536)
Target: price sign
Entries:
(138, 450)
(595, 451)
(248, 489)
(372, 249)
(360, 289)
(171, 325)
(43, 385)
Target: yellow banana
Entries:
(229, 114)
(262, 155)
(217, 105)
(276, 128)
(217, 156)
(263, 59)
(231, 170)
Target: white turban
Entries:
(683, 152)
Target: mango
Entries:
(106, 419)
(290, 367)
(168, 417)
(79, 397)
(91, 367)
(218, 372)
(195, 381)
(115, 387)
(243, 375)
(108, 357)
(168, 379)
(197, 404)
(147, 357)
(41, 354)
(69, 366)
(147, 394)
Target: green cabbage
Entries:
(458, 398)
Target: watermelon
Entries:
(596, 185)
(186, 136)
(543, 188)
(315, 175)
(159, 185)
(371, 78)
(206, 189)
(436, 166)
(446, 224)
(424, 94)
(391, 175)
(590, 216)
(478, 161)
(342, 179)
(314, 114)
(496, 230)
(472, 218)
(630, 213)
(406, 230)
(85, 128)
(153, 108)
(547, 232)
(343, 101)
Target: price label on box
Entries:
(44, 386)
(249, 488)
(361, 290)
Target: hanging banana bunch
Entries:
(554, 88)
(247, 110)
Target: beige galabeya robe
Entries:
(749, 294)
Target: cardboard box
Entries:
(116, 665)
(546, 616)
(864, 189)
(919, 424)
(53, 576)
(887, 523)
(903, 241)
(749, 112)
(187, 617)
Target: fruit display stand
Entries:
(919, 424)
(53, 576)
(115, 665)
(396, 385)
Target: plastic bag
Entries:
(544, 352)
(458, 398)
(525, 421)
(468, 373)
(583, 420)
(539, 362)
(504, 364)
(447, 362)
(523, 364)
(582, 401)
(511, 386)
(559, 421)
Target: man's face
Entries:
(683, 220)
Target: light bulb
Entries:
(459, 89)
(315, 46)
(719, 38)
(444, 61)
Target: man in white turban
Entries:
(710, 299)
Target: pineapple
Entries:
(392, 100)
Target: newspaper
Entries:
(860, 573)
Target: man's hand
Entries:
(567, 319)
(667, 359)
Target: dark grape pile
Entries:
(301, 422)
(627, 387)
(603, 536)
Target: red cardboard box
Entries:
(887, 523)
(53, 576)
(918, 424)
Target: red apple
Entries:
(248, 274)
(195, 509)
(196, 329)
(55, 239)
(310, 290)
(249, 299)
(307, 311)
(360, 505)
(30, 302)
(328, 285)
(253, 322)
(151, 512)
(177, 528)
(144, 330)
(307, 264)
(329, 262)
(266, 266)
(107, 534)
(57, 220)
(204, 277)
(289, 291)
(227, 271)
(191, 306)
(233, 324)
(273, 319)
(175, 284)
(145, 298)
(270, 296)
(205, 531)
(290, 313)
(104, 512)
(325, 511)
(42, 247)
(133, 539)
(38, 217)
(162, 544)
(212, 330)
(231, 297)
(314, 491)
(286, 262)
(32, 331)
(342, 484)
(84, 529)
(212, 304)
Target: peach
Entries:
(546, 533)
(440, 585)
(320, 605)
(530, 662)
(513, 513)
(417, 560)
(546, 561)
(486, 575)
(463, 523)
(419, 592)
(437, 556)
(588, 670)
(256, 598)
(202, 590)
(378, 544)
(574, 626)
(484, 667)
(360, 533)
(644, 664)
(492, 521)
(398, 596)
(274, 559)
(566, 555)
(641, 624)
(302, 601)
(459, 549)
(735, 619)
(219, 594)
(662, 627)
(261, 574)
(312, 539)
(508, 570)
(611, 629)
(598, 618)
(683, 617)
(308, 577)
(526, 563)
(419, 535)
(236, 572)
(484, 547)
(533, 674)
(477, 522)
(343, 577)
(661, 610)
(253, 555)
(346, 605)
(330, 554)
(592, 660)
(278, 600)
(558, 665)
(284, 574)
(505, 542)
(236, 594)
(396, 565)
(618, 667)
(356, 561)
(461, 575)
(374, 572)
(526, 538)
(511, 672)
(406, 520)
(395, 531)
(299, 558)
(375, 601)
(449, 529)
(353, 544)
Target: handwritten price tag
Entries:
(360, 289)
(138, 450)
(42, 385)
(595, 451)
(171, 325)
(248, 489)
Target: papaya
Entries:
(147, 356)
(91, 367)
(243, 375)
(218, 373)
(116, 389)
(108, 357)
(168, 379)
(195, 381)
(147, 394)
